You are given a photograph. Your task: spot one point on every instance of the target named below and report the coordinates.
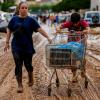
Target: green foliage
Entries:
(5, 6)
(40, 8)
(72, 4)
(34, 8)
(10, 1)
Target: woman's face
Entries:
(23, 9)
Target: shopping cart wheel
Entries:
(49, 91)
(86, 83)
(69, 91)
(57, 82)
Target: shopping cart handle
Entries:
(61, 32)
(76, 32)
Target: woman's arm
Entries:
(8, 35)
(7, 40)
(44, 34)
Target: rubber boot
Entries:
(30, 77)
(20, 86)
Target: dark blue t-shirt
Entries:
(23, 29)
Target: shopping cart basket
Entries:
(60, 56)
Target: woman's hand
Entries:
(6, 47)
(49, 40)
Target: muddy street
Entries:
(42, 75)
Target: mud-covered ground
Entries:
(42, 75)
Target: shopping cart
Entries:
(60, 57)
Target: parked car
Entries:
(92, 17)
(3, 22)
(4, 19)
(64, 17)
(9, 16)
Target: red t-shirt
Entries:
(81, 26)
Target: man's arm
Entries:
(86, 26)
(86, 31)
(62, 26)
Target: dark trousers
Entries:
(20, 59)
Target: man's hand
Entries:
(85, 31)
(58, 29)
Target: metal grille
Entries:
(59, 58)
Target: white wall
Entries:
(1, 1)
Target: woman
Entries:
(22, 27)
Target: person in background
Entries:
(22, 27)
(77, 24)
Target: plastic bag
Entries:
(76, 48)
(60, 39)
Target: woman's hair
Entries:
(17, 11)
(75, 17)
(18, 7)
(21, 4)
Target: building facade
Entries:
(12, 0)
(39, 1)
(95, 5)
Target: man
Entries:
(77, 25)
